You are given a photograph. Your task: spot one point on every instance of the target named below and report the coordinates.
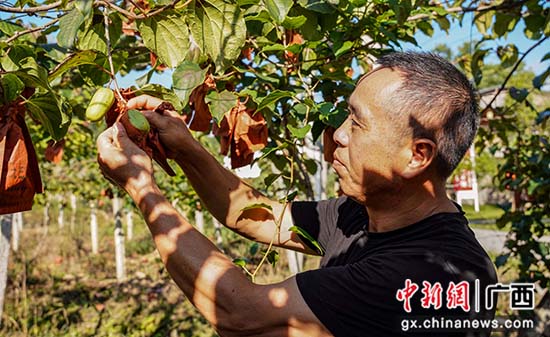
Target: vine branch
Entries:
(31, 30)
(109, 55)
(478, 9)
(503, 85)
(43, 8)
(133, 16)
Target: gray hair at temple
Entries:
(439, 101)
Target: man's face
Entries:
(372, 149)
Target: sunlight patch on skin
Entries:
(168, 240)
(278, 297)
(214, 268)
(298, 328)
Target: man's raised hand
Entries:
(171, 126)
(123, 162)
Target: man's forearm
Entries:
(206, 276)
(222, 192)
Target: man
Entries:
(411, 120)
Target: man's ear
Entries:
(423, 152)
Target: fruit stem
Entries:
(109, 56)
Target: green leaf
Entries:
(477, 63)
(425, 27)
(166, 34)
(539, 80)
(186, 78)
(32, 74)
(508, 55)
(94, 38)
(11, 61)
(309, 58)
(533, 25)
(299, 133)
(145, 78)
(501, 260)
(483, 21)
(218, 27)
(532, 187)
(253, 249)
(293, 22)
(9, 28)
(443, 23)
(346, 46)
(278, 9)
(12, 86)
(52, 111)
(518, 94)
(273, 97)
(273, 47)
(268, 181)
(291, 196)
(504, 23)
(97, 74)
(544, 248)
(268, 151)
(241, 262)
(308, 237)
(73, 60)
(543, 116)
(157, 90)
(273, 257)
(260, 205)
(71, 22)
(545, 57)
(331, 116)
(319, 6)
(220, 103)
(311, 166)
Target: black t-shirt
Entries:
(354, 293)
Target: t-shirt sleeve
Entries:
(317, 218)
(351, 300)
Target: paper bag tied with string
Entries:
(19, 173)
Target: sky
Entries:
(457, 35)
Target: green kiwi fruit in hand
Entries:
(101, 102)
(138, 121)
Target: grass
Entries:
(486, 212)
(485, 218)
(57, 287)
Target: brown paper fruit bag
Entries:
(19, 173)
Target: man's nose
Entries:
(341, 135)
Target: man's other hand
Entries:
(171, 126)
(123, 162)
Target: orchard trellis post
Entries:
(119, 249)
(120, 260)
(61, 211)
(73, 201)
(199, 217)
(93, 227)
(6, 222)
(129, 223)
(17, 228)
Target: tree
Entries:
(287, 63)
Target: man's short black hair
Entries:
(440, 102)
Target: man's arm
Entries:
(223, 193)
(218, 288)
